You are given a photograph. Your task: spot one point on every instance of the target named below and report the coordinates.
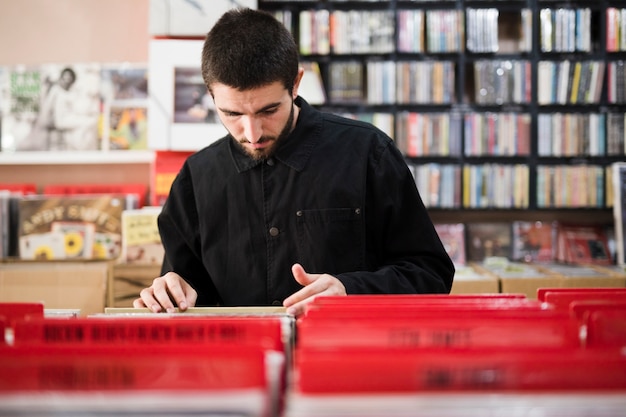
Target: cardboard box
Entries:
(520, 278)
(574, 276)
(613, 270)
(127, 281)
(58, 285)
(467, 280)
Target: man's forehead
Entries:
(251, 100)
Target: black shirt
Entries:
(336, 197)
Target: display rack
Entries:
(478, 106)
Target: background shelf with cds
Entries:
(501, 107)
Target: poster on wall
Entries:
(180, 112)
(189, 17)
(21, 90)
(192, 101)
(124, 107)
(51, 107)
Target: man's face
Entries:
(66, 80)
(258, 119)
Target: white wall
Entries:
(71, 31)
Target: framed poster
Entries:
(176, 96)
(187, 17)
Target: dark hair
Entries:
(68, 70)
(247, 49)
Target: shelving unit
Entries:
(486, 80)
(76, 158)
(94, 167)
(102, 284)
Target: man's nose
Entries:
(252, 129)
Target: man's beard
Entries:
(265, 153)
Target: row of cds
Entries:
(502, 134)
(479, 30)
(323, 31)
(496, 186)
(482, 30)
(615, 29)
(495, 82)
(453, 134)
(571, 186)
(430, 134)
(570, 82)
(502, 81)
(498, 134)
(418, 82)
(430, 31)
(565, 30)
(508, 186)
(577, 134)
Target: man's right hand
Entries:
(166, 293)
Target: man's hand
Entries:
(165, 292)
(314, 285)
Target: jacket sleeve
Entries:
(178, 226)
(404, 251)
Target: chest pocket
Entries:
(331, 240)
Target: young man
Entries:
(293, 203)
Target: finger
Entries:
(323, 284)
(138, 303)
(176, 292)
(161, 293)
(297, 309)
(192, 297)
(301, 276)
(303, 279)
(297, 302)
(148, 300)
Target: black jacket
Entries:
(336, 197)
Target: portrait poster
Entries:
(52, 107)
(174, 85)
(192, 101)
(21, 95)
(124, 107)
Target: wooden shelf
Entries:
(76, 158)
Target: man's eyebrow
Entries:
(269, 107)
(261, 110)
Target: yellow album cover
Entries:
(42, 246)
(141, 241)
(78, 238)
(89, 226)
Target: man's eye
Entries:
(270, 111)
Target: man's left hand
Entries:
(314, 285)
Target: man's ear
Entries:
(296, 83)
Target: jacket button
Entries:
(277, 303)
(270, 162)
(274, 231)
